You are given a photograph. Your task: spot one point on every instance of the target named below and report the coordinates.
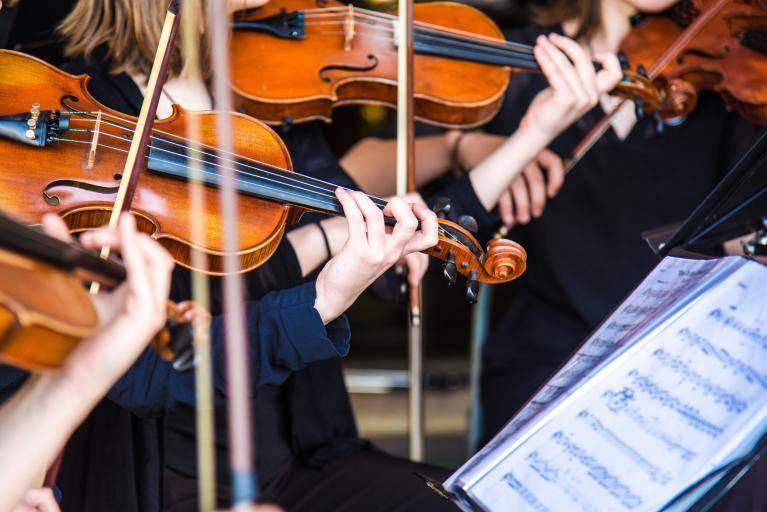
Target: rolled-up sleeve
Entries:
(285, 334)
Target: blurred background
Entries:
(376, 367)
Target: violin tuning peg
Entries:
(639, 108)
(624, 61)
(660, 124)
(449, 270)
(442, 207)
(468, 223)
(472, 288)
(641, 71)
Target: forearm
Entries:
(34, 425)
(493, 175)
(372, 161)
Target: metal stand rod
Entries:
(416, 429)
(480, 324)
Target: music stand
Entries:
(737, 206)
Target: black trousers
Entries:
(365, 481)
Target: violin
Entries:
(63, 152)
(45, 310)
(340, 54)
(714, 45)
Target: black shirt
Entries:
(586, 252)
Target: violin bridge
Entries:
(94, 141)
(349, 28)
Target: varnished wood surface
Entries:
(275, 78)
(713, 59)
(43, 313)
(161, 203)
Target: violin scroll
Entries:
(503, 261)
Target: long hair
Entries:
(588, 13)
(130, 32)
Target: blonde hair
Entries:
(130, 31)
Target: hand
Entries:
(131, 314)
(417, 263)
(526, 196)
(38, 500)
(734, 247)
(574, 86)
(370, 249)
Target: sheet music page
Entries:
(664, 286)
(664, 413)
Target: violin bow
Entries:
(664, 60)
(204, 406)
(138, 147)
(137, 152)
(240, 424)
(405, 184)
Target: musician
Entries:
(286, 327)
(584, 246)
(307, 438)
(36, 422)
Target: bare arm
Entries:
(371, 161)
(36, 422)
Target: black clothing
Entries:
(586, 252)
(362, 481)
(302, 427)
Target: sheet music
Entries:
(672, 279)
(663, 413)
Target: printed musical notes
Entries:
(662, 392)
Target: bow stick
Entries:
(244, 482)
(204, 409)
(138, 148)
(405, 184)
(137, 151)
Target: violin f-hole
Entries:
(54, 200)
(341, 67)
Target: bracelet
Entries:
(458, 169)
(325, 239)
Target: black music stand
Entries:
(736, 207)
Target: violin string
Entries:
(298, 177)
(426, 26)
(283, 174)
(436, 34)
(327, 200)
(523, 59)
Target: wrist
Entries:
(527, 142)
(322, 301)
(530, 139)
(336, 231)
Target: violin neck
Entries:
(477, 50)
(29, 242)
(256, 179)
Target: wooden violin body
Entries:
(79, 184)
(346, 56)
(45, 310)
(44, 313)
(716, 45)
(72, 166)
